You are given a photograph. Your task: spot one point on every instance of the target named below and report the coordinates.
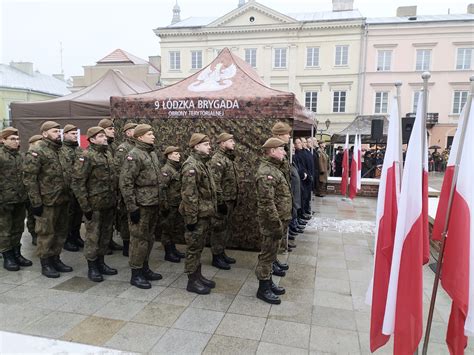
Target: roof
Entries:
(420, 18)
(361, 125)
(14, 78)
(121, 56)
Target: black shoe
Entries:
(177, 252)
(139, 280)
(9, 261)
(277, 290)
(114, 246)
(277, 271)
(291, 237)
(59, 265)
(291, 245)
(306, 216)
(195, 285)
(20, 259)
(301, 221)
(78, 240)
(150, 275)
(47, 269)
(228, 259)
(69, 245)
(93, 273)
(300, 226)
(266, 294)
(170, 255)
(109, 251)
(298, 230)
(204, 281)
(292, 233)
(126, 247)
(104, 269)
(219, 262)
(319, 195)
(283, 266)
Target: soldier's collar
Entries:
(53, 144)
(175, 164)
(71, 143)
(144, 146)
(98, 147)
(200, 156)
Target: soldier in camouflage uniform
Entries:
(12, 201)
(198, 206)
(170, 198)
(225, 179)
(95, 185)
(140, 192)
(70, 151)
(47, 188)
(274, 203)
(30, 217)
(122, 215)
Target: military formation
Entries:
(135, 190)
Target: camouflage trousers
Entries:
(30, 219)
(12, 224)
(284, 235)
(122, 221)
(171, 226)
(51, 229)
(267, 256)
(195, 242)
(75, 215)
(99, 232)
(221, 229)
(142, 236)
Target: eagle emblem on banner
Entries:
(214, 80)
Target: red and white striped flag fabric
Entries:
(404, 307)
(458, 264)
(354, 170)
(359, 162)
(345, 167)
(387, 207)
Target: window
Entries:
(416, 97)
(251, 56)
(384, 60)
(312, 57)
(381, 102)
(339, 101)
(196, 59)
(311, 100)
(423, 58)
(460, 98)
(175, 60)
(342, 55)
(464, 60)
(279, 60)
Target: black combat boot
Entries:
(70, 244)
(59, 265)
(94, 274)
(266, 294)
(204, 281)
(47, 269)
(195, 285)
(170, 255)
(219, 262)
(9, 261)
(283, 266)
(277, 271)
(20, 259)
(228, 259)
(104, 269)
(149, 274)
(114, 246)
(177, 252)
(277, 290)
(126, 247)
(77, 238)
(139, 280)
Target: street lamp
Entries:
(321, 130)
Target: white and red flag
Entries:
(345, 167)
(356, 166)
(387, 207)
(458, 264)
(359, 163)
(404, 306)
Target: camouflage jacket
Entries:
(197, 190)
(121, 152)
(223, 172)
(69, 152)
(12, 189)
(44, 175)
(274, 201)
(94, 181)
(139, 177)
(170, 184)
(111, 146)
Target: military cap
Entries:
(91, 132)
(9, 131)
(128, 126)
(171, 149)
(49, 125)
(69, 127)
(35, 138)
(197, 138)
(106, 123)
(224, 137)
(281, 128)
(273, 143)
(141, 129)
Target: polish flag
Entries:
(345, 167)
(354, 170)
(458, 266)
(359, 162)
(404, 307)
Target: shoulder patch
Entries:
(120, 149)
(34, 154)
(191, 172)
(129, 157)
(165, 174)
(81, 159)
(219, 164)
(269, 177)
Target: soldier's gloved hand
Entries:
(222, 208)
(135, 216)
(165, 213)
(191, 227)
(88, 215)
(37, 211)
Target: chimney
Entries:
(25, 67)
(176, 14)
(470, 9)
(59, 76)
(342, 5)
(406, 11)
(241, 3)
(155, 60)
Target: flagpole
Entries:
(398, 85)
(439, 263)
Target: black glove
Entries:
(222, 208)
(165, 213)
(37, 211)
(88, 215)
(321, 173)
(191, 227)
(135, 216)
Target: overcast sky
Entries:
(32, 30)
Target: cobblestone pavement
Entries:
(323, 310)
